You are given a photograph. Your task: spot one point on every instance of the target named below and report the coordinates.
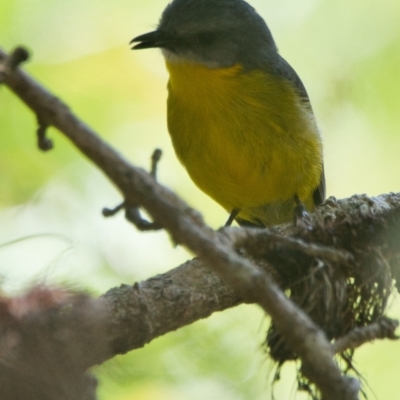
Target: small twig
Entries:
(43, 142)
(17, 56)
(132, 212)
(262, 242)
(382, 329)
(155, 158)
(12, 61)
(110, 212)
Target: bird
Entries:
(239, 116)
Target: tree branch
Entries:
(384, 328)
(138, 309)
(186, 227)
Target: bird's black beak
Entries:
(149, 40)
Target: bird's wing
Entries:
(284, 69)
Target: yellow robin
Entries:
(239, 116)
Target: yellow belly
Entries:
(245, 139)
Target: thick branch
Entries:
(142, 312)
(191, 291)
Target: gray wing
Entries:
(284, 69)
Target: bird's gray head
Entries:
(216, 33)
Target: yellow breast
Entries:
(244, 137)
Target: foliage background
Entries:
(348, 55)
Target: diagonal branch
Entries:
(216, 250)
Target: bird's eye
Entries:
(205, 38)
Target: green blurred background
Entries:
(347, 53)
